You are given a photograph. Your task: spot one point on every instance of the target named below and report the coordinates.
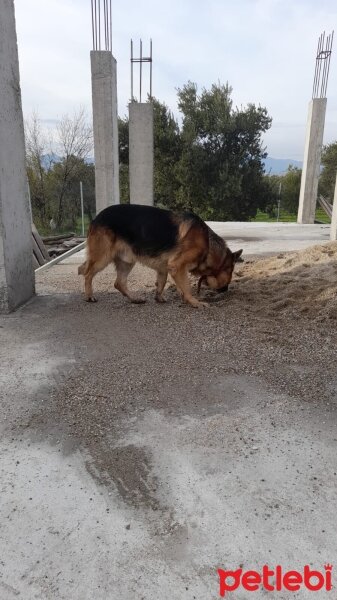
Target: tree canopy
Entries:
(327, 179)
(211, 163)
(54, 179)
(221, 169)
(209, 160)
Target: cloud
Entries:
(265, 49)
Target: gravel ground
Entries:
(210, 434)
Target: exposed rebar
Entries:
(142, 59)
(140, 69)
(131, 70)
(322, 66)
(151, 69)
(101, 17)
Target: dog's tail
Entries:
(82, 269)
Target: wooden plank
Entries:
(37, 252)
(58, 259)
(327, 207)
(40, 243)
(57, 238)
(35, 262)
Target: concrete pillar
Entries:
(16, 268)
(333, 228)
(141, 153)
(105, 122)
(312, 160)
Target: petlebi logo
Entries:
(275, 580)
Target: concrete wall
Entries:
(16, 269)
(141, 153)
(105, 122)
(312, 160)
(333, 228)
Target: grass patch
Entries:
(286, 217)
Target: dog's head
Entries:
(220, 279)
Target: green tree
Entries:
(221, 171)
(54, 179)
(290, 189)
(327, 180)
(167, 153)
(82, 171)
(37, 171)
(123, 143)
(272, 186)
(75, 141)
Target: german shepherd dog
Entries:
(168, 242)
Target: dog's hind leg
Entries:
(100, 250)
(121, 284)
(82, 268)
(92, 268)
(160, 284)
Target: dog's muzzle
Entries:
(223, 289)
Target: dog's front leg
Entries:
(160, 284)
(180, 277)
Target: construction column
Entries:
(333, 228)
(16, 269)
(141, 135)
(141, 152)
(312, 160)
(104, 108)
(315, 132)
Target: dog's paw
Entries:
(203, 305)
(138, 300)
(160, 299)
(91, 299)
(198, 304)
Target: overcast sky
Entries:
(265, 49)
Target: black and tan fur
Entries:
(167, 242)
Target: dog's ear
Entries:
(236, 255)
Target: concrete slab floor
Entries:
(143, 447)
(261, 238)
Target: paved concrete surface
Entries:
(259, 238)
(143, 447)
(263, 238)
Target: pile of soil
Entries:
(303, 282)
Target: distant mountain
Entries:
(49, 159)
(273, 166)
(278, 166)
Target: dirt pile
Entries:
(303, 282)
